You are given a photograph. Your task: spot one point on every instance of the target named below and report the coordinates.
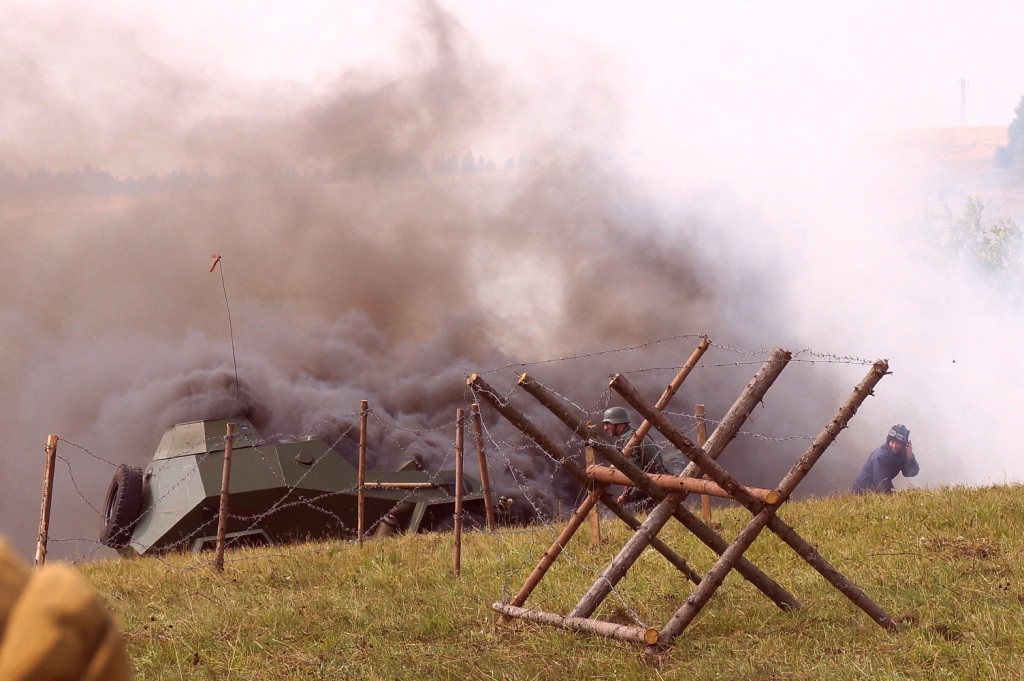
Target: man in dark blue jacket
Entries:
(885, 463)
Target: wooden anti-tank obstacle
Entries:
(669, 492)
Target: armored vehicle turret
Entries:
(279, 492)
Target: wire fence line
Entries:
(542, 494)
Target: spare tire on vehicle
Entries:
(122, 506)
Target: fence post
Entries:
(44, 512)
(485, 479)
(460, 426)
(225, 485)
(361, 482)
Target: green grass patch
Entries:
(942, 563)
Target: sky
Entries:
(679, 79)
(859, 66)
(686, 168)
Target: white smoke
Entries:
(353, 274)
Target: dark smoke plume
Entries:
(351, 270)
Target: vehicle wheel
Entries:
(471, 520)
(122, 506)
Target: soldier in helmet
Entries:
(644, 454)
(885, 463)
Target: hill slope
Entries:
(931, 167)
(943, 563)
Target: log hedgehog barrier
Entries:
(669, 492)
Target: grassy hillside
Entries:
(943, 563)
(928, 168)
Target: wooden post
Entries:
(673, 483)
(549, 557)
(595, 517)
(364, 407)
(460, 427)
(620, 632)
(670, 492)
(44, 511)
(727, 430)
(752, 395)
(764, 515)
(485, 480)
(800, 469)
(705, 463)
(617, 569)
(225, 486)
(702, 438)
(519, 420)
(667, 395)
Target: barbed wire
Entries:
(538, 480)
(592, 354)
(65, 441)
(805, 355)
(74, 483)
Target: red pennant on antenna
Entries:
(216, 259)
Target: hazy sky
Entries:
(722, 66)
(759, 230)
(707, 81)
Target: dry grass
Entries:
(943, 144)
(943, 563)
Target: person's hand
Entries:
(622, 499)
(910, 450)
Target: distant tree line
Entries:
(469, 164)
(92, 181)
(1012, 155)
(88, 181)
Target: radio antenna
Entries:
(231, 331)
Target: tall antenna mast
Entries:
(231, 331)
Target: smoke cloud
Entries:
(358, 262)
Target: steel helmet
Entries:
(615, 415)
(899, 432)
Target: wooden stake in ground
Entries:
(485, 480)
(460, 427)
(666, 396)
(364, 407)
(225, 486)
(483, 389)
(44, 511)
(728, 429)
(764, 514)
(548, 559)
(670, 491)
(636, 544)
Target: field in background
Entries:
(944, 563)
(932, 167)
(974, 145)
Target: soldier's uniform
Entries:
(648, 458)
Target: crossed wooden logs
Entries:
(669, 492)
